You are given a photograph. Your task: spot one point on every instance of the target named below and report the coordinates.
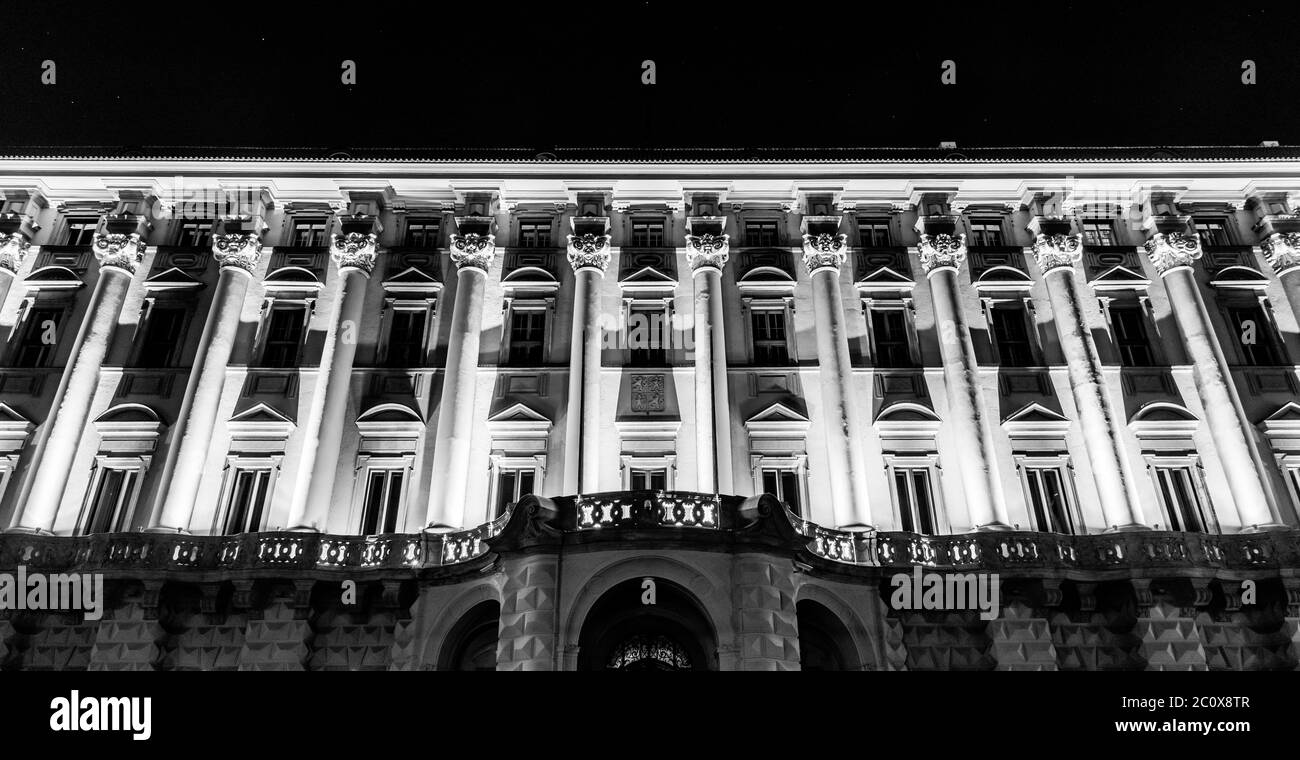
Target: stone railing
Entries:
(663, 509)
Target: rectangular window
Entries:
(1129, 323)
(986, 232)
(82, 231)
(309, 233)
(162, 337)
(406, 338)
(247, 500)
(874, 233)
(913, 495)
(527, 335)
(1049, 500)
(284, 337)
(1011, 336)
(1212, 232)
(650, 480)
(197, 234)
(422, 233)
(513, 485)
(1252, 331)
(40, 336)
(762, 233)
(646, 336)
(647, 233)
(1099, 233)
(1181, 500)
(535, 233)
(770, 346)
(110, 505)
(891, 343)
(383, 502)
(784, 485)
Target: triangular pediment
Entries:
(887, 276)
(173, 278)
(1036, 413)
(1288, 413)
(1119, 277)
(411, 276)
(648, 276)
(777, 413)
(261, 413)
(9, 416)
(518, 413)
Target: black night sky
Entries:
(727, 74)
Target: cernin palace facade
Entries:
(499, 391)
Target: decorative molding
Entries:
(1171, 250)
(942, 251)
(473, 251)
(824, 251)
(238, 251)
(355, 249)
(1282, 249)
(115, 249)
(588, 251)
(1057, 251)
(707, 251)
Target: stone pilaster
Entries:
(768, 625)
(129, 634)
(278, 636)
(823, 254)
(589, 256)
(528, 638)
(472, 254)
(707, 254)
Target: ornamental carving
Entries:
(355, 249)
(824, 250)
(237, 251)
(473, 250)
(114, 249)
(13, 249)
(648, 393)
(1282, 249)
(942, 250)
(1169, 250)
(1057, 251)
(589, 250)
(707, 251)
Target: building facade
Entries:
(613, 410)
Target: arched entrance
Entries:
(472, 643)
(824, 641)
(623, 633)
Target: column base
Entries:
(304, 529)
(1130, 528)
(991, 527)
(856, 528)
(167, 530)
(440, 528)
(1265, 528)
(21, 530)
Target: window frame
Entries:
(1025, 307)
(136, 466)
(1191, 463)
(24, 328)
(1267, 331)
(424, 222)
(1106, 223)
(795, 464)
(905, 306)
(392, 305)
(513, 305)
(269, 306)
(205, 236)
(649, 222)
(667, 463)
(499, 465)
(367, 465)
(784, 304)
(664, 307)
(536, 223)
(977, 229)
(762, 223)
(67, 231)
(1211, 222)
(917, 461)
(874, 224)
(1061, 465)
(298, 222)
(235, 464)
(153, 304)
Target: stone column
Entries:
(941, 257)
(589, 256)
(472, 255)
(13, 249)
(354, 254)
(119, 254)
(237, 255)
(707, 255)
(1056, 256)
(1282, 250)
(1172, 254)
(823, 254)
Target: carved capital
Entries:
(355, 249)
(707, 251)
(114, 249)
(589, 250)
(238, 251)
(473, 251)
(1057, 251)
(1170, 250)
(824, 251)
(942, 250)
(1282, 249)
(13, 249)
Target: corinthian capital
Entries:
(824, 251)
(589, 250)
(115, 249)
(238, 251)
(1057, 251)
(707, 251)
(355, 249)
(1282, 249)
(942, 250)
(1169, 250)
(13, 249)
(473, 251)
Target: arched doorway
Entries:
(623, 633)
(471, 644)
(824, 641)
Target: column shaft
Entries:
(591, 371)
(6, 281)
(706, 453)
(573, 414)
(721, 393)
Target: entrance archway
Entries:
(622, 633)
(472, 642)
(824, 641)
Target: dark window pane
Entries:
(646, 234)
(889, 329)
(195, 234)
(283, 337)
(247, 498)
(162, 338)
(904, 502)
(526, 483)
(374, 503)
(790, 490)
(309, 233)
(527, 331)
(535, 234)
(82, 231)
(874, 234)
(1012, 337)
(422, 234)
(40, 336)
(770, 482)
(1252, 331)
(924, 509)
(770, 347)
(761, 234)
(406, 339)
(108, 509)
(658, 480)
(1131, 336)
